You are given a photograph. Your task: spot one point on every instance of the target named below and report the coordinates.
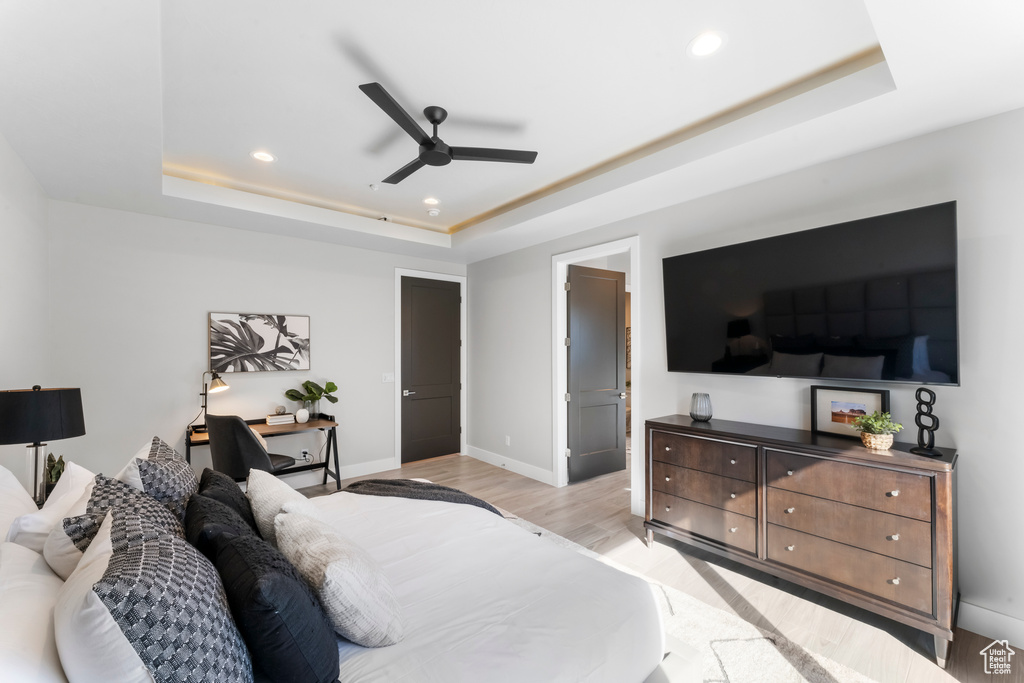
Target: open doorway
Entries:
(622, 255)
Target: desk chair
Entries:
(235, 449)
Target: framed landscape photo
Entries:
(833, 409)
(258, 342)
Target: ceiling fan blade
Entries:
(380, 97)
(514, 156)
(404, 172)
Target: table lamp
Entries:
(36, 415)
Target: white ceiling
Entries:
(155, 107)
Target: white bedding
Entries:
(484, 600)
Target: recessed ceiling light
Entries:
(431, 201)
(263, 156)
(705, 44)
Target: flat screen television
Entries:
(869, 300)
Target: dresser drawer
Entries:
(898, 493)
(720, 525)
(879, 532)
(885, 577)
(734, 495)
(707, 455)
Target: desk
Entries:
(198, 436)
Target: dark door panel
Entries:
(597, 372)
(430, 368)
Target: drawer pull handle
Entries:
(732, 462)
(668, 448)
(733, 529)
(895, 581)
(894, 537)
(893, 494)
(789, 473)
(668, 478)
(732, 495)
(667, 508)
(790, 548)
(790, 511)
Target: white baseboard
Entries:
(531, 471)
(363, 468)
(312, 478)
(991, 624)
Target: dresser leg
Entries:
(942, 651)
(650, 538)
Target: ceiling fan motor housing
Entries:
(436, 153)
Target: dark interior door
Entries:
(431, 382)
(597, 372)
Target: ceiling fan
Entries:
(433, 150)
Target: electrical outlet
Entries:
(508, 440)
(305, 455)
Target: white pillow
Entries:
(267, 494)
(354, 591)
(15, 501)
(31, 530)
(259, 437)
(28, 591)
(141, 602)
(795, 365)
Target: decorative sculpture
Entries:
(927, 424)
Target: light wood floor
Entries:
(595, 514)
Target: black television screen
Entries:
(873, 299)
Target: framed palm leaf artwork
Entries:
(258, 342)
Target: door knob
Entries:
(622, 395)
(406, 392)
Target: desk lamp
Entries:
(35, 415)
(216, 385)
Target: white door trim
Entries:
(463, 365)
(559, 272)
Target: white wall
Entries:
(24, 287)
(981, 165)
(131, 298)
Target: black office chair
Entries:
(235, 449)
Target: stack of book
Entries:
(282, 419)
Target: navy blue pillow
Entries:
(220, 486)
(280, 618)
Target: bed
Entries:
(482, 600)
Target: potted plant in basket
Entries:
(876, 430)
(310, 394)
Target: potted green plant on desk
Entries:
(876, 430)
(309, 396)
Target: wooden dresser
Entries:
(874, 529)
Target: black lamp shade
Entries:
(33, 416)
(737, 328)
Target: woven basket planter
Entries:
(876, 442)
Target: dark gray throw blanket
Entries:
(420, 490)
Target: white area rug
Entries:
(733, 651)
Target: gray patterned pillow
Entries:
(70, 539)
(161, 472)
(152, 605)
